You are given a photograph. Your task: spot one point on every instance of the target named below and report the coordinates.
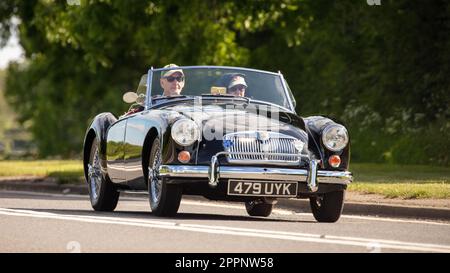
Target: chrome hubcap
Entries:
(95, 175)
(154, 179)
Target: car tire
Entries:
(328, 207)
(102, 192)
(164, 198)
(258, 209)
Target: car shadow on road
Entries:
(144, 215)
(221, 217)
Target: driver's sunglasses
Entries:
(237, 88)
(171, 79)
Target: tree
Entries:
(381, 69)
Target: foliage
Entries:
(383, 70)
(7, 119)
(3, 104)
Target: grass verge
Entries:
(65, 171)
(401, 181)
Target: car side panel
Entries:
(115, 151)
(136, 132)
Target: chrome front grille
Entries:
(261, 148)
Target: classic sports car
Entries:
(249, 147)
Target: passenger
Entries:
(234, 83)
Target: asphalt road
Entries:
(32, 222)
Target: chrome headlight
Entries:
(185, 132)
(335, 137)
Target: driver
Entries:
(172, 81)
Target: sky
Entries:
(12, 51)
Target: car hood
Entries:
(218, 120)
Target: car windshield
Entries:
(218, 82)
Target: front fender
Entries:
(98, 129)
(315, 126)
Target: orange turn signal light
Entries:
(184, 156)
(334, 161)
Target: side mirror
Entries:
(130, 97)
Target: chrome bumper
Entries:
(312, 176)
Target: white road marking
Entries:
(290, 212)
(384, 219)
(241, 207)
(246, 232)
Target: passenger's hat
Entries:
(237, 80)
(229, 80)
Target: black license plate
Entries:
(262, 188)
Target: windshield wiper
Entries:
(170, 97)
(218, 95)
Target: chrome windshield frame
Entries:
(148, 103)
(287, 91)
(148, 98)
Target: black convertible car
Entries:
(229, 134)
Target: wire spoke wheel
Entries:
(164, 198)
(102, 192)
(154, 179)
(94, 172)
